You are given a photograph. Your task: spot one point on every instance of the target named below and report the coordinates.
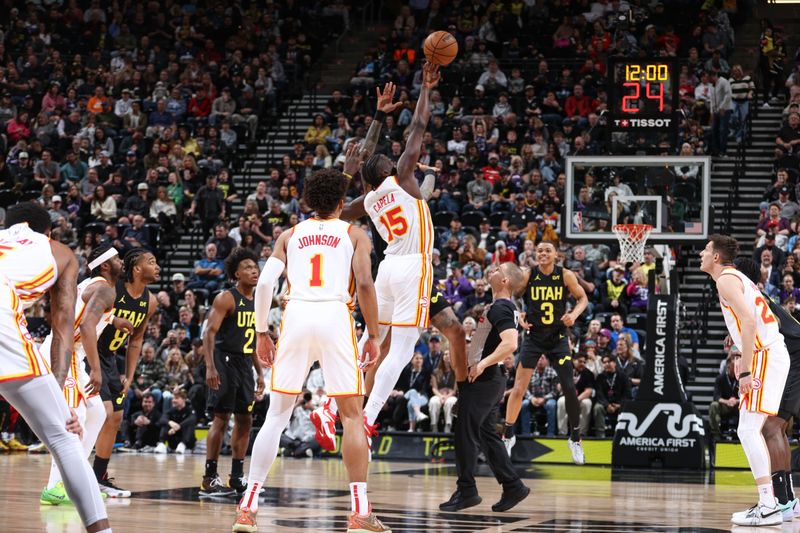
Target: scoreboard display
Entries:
(643, 97)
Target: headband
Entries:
(108, 254)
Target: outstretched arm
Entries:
(422, 114)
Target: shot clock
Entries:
(643, 98)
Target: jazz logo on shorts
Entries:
(423, 302)
(756, 383)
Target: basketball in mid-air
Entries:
(440, 48)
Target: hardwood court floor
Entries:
(311, 495)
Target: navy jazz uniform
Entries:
(111, 342)
(235, 344)
(790, 329)
(545, 302)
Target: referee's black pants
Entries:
(478, 406)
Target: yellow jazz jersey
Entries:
(403, 221)
(27, 262)
(319, 255)
(770, 364)
(77, 378)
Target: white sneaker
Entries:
(421, 417)
(759, 515)
(787, 510)
(324, 421)
(161, 448)
(796, 507)
(181, 449)
(510, 444)
(577, 452)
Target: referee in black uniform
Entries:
(479, 397)
(775, 434)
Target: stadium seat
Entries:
(472, 218)
(636, 320)
(443, 218)
(496, 219)
(7, 197)
(642, 339)
(604, 318)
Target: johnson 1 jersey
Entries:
(319, 256)
(403, 221)
(767, 326)
(27, 262)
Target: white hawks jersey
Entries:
(27, 262)
(403, 221)
(767, 326)
(319, 256)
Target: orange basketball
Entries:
(440, 48)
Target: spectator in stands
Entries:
(209, 204)
(637, 291)
(541, 401)
(479, 193)
(144, 430)
(222, 240)
(772, 192)
(443, 394)
(209, 272)
(721, 108)
(613, 388)
(502, 254)
(618, 328)
(317, 133)
(743, 91)
(726, 399)
(789, 135)
(770, 274)
(775, 225)
(149, 378)
(137, 204)
(584, 385)
(416, 395)
(457, 288)
(177, 426)
(612, 293)
(102, 207)
(789, 208)
(627, 362)
(298, 439)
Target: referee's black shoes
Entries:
(511, 497)
(458, 501)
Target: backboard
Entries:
(670, 193)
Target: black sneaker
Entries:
(213, 486)
(457, 502)
(510, 498)
(108, 488)
(239, 484)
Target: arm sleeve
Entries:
(266, 283)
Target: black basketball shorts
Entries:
(236, 393)
(555, 347)
(438, 302)
(790, 402)
(111, 389)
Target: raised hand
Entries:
(430, 75)
(385, 98)
(353, 158)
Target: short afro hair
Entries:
(33, 213)
(726, 247)
(324, 189)
(236, 256)
(749, 268)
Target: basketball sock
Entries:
(766, 496)
(400, 353)
(237, 468)
(779, 486)
(100, 467)
(575, 435)
(508, 430)
(332, 407)
(789, 486)
(265, 447)
(358, 498)
(211, 468)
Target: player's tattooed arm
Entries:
(419, 122)
(383, 107)
(62, 305)
(101, 299)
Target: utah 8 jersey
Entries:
(319, 256)
(403, 221)
(767, 326)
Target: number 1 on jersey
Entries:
(316, 272)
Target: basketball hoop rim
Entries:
(633, 232)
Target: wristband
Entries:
(379, 116)
(744, 375)
(348, 176)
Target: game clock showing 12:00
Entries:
(643, 95)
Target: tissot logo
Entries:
(643, 122)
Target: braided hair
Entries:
(131, 260)
(370, 170)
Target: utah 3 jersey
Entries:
(128, 307)
(319, 256)
(403, 221)
(767, 327)
(27, 262)
(545, 300)
(237, 333)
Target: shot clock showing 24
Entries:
(642, 96)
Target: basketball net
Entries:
(632, 239)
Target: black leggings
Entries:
(564, 372)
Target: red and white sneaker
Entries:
(324, 421)
(371, 430)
